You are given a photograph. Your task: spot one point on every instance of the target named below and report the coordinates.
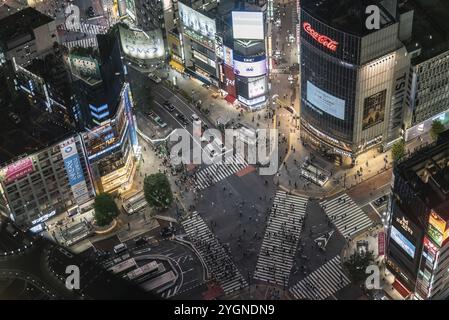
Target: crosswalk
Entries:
(85, 28)
(346, 215)
(281, 238)
(216, 258)
(321, 283)
(219, 171)
(85, 43)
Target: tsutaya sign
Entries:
(321, 39)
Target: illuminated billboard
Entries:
(402, 241)
(84, 67)
(74, 170)
(437, 229)
(142, 45)
(374, 109)
(228, 56)
(229, 80)
(196, 21)
(247, 25)
(250, 68)
(17, 170)
(257, 87)
(325, 101)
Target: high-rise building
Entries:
(352, 78)
(25, 35)
(418, 231)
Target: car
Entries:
(380, 201)
(291, 110)
(182, 118)
(154, 78)
(120, 248)
(205, 85)
(140, 241)
(168, 106)
(195, 117)
(167, 231)
(14, 117)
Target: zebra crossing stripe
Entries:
(346, 215)
(85, 28)
(217, 260)
(85, 43)
(322, 283)
(281, 238)
(219, 171)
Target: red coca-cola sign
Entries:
(321, 39)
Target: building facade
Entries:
(418, 231)
(46, 183)
(352, 80)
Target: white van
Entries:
(120, 248)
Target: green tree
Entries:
(157, 191)
(436, 129)
(398, 150)
(105, 209)
(357, 264)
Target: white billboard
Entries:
(196, 21)
(228, 56)
(142, 45)
(325, 101)
(250, 69)
(257, 87)
(248, 25)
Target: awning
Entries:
(229, 98)
(403, 291)
(176, 65)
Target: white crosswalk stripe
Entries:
(85, 43)
(347, 216)
(218, 261)
(219, 171)
(85, 28)
(281, 238)
(321, 283)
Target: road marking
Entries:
(375, 210)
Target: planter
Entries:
(105, 229)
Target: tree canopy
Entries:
(157, 191)
(105, 209)
(436, 129)
(398, 150)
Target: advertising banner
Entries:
(229, 80)
(374, 109)
(197, 22)
(248, 25)
(402, 241)
(381, 243)
(437, 222)
(142, 45)
(228, 56)
(250, 69)
(257, 87)
(325, 101)
(219, 47)
(435, 235)
(74, 170)
(17, 170)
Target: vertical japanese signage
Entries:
(229, 80)
(74, 170)
(129, 115)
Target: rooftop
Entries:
(430, 27)
(345, 15)
(26, 129)
(21, 23)
(427, 171)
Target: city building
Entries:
(43, 170)
(417, 245)
(25, 35)
(353, 79)
(428, 88)
(109, 138)
(223, 44)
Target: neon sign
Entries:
(321, 39)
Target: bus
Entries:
(123, 266)
(135, 203)
(314, 174)
(143, 270)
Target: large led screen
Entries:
(247, 25)
(256, 87)
(196, 21)
(325, 101)
(250, 69)
(402, 241)
(142, 45)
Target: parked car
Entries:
(205, 85)
(154, 78)
(140, 241)
(168, 106)
(182, 118)
(167, 232)
(195, 117)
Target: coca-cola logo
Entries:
(321, 39)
